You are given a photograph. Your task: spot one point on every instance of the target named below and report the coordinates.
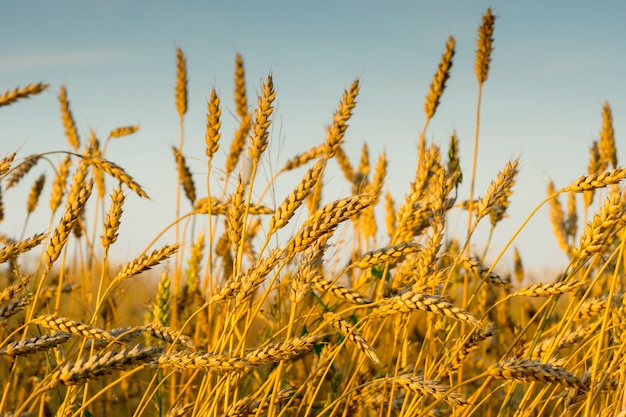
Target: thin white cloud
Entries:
(47, 60)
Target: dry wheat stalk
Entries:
(338, 291)
(58, 184)
(476, 268)
(213, 125)
(241, 103)
(498, 192)
(591, 308)
(295, 199)
(247, 406)
(235, 213)
(145, 262)
(181, 409)
(569, 339)
(21, 170)
(116, 172)
(557, 219)
(180, 90)
(597, 232)
(247, 284)
(9, 292)
(597, 180)
(13, 250)
(68, 120)
(525, 370)
(553, 288)
(389, 254)
(484, 47)
(469, 346)
(203, 205)
(112, 220)
(123, 131)
(194, 264)
(67, 325)
(301, 159)
(344, 163)
(11, 96)
(326, 219)
(571, 221)
(380, 174)
(353, 335)
(454, 161)
(260, 133)
(168, 335)
(282, 351)
(161, 306)
(185, 176)
(207, 361)
(62, 232)
(12, 309)
(35, 193)
(102, 364)
(237, 144)
(35, 344)
(439, 80)
(410, 301)
(606, 145)
(94, 152)
(6, 162)
(424, 387)
(595, 166)
(336, 132)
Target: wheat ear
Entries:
(17, 93)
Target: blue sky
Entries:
(554, 65)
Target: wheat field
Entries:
(360, 306)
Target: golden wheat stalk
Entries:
(116, 172)
(146, 262)
(389, 254)
(604, 223)
(326, 219)
(102, 364)
(21, 170)
(606, 145)
(425, 387)
(35, 193)
(552, 288)
(247, 406)
(58, 184)
(484, 47)
(68, 120)
(282, 351)
(295, 199)
(260, 127)
(498, 192)
(597, 180)
(336, 131)
(35, 344)
(343, 293)
(112, 220)
(11, 96)
(213, 125)
(67, 325)
(355, 336)
(525, 370)
(238, 143)
(11, 251)
(410, 301)
(6, 162)
(203, 204)
(62, 232)
(439, 80)
(181, 360)
(241, 103)
(184, 173)
(123, 131)
(301, 159)
(180, 90)
(12, 309)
